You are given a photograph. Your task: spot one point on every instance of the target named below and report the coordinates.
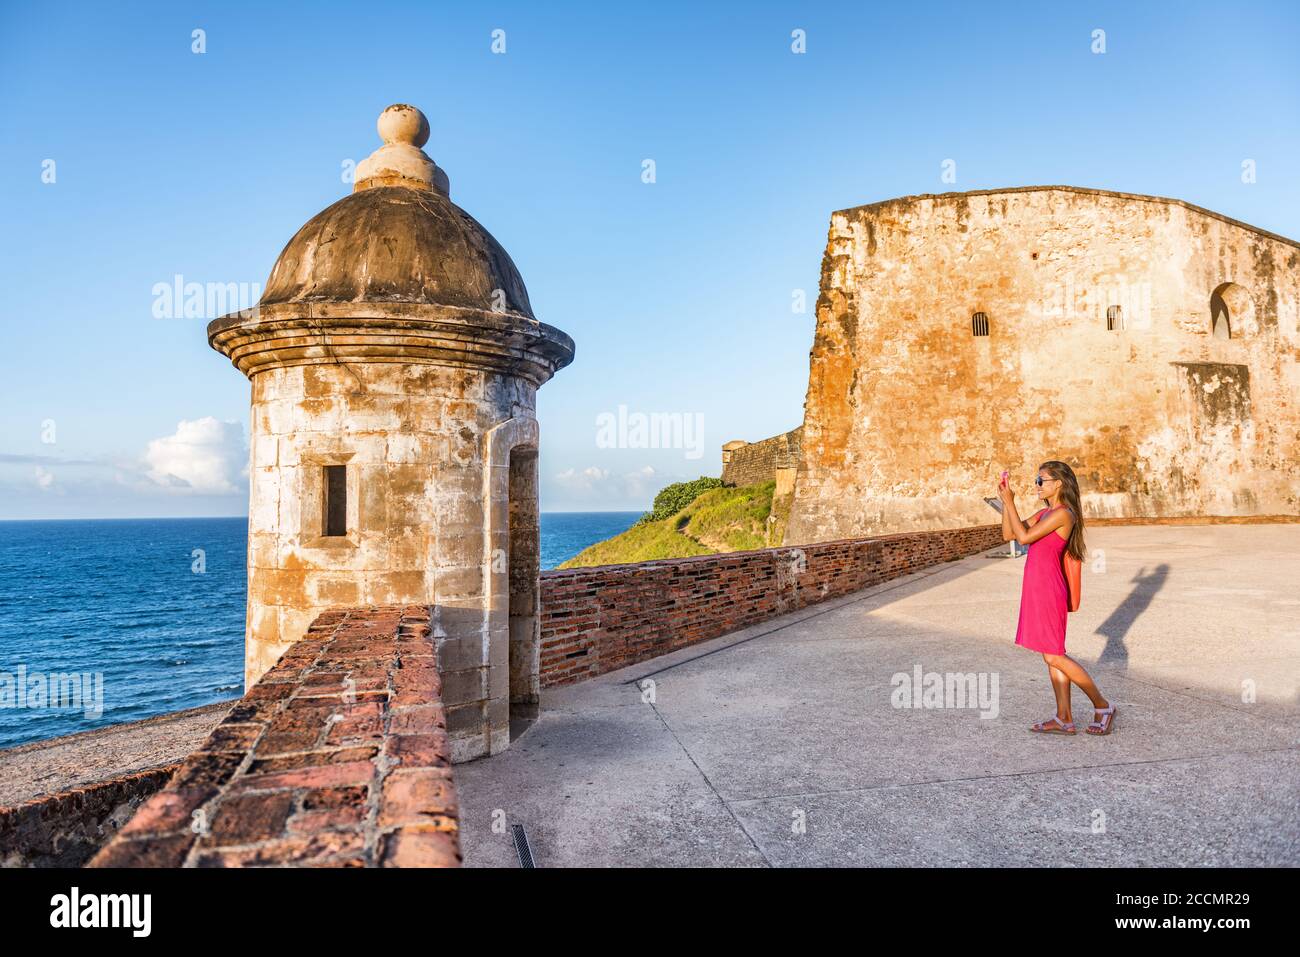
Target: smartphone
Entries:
(1004, 478)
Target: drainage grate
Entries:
(521, 847)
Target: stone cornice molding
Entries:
(297, 333)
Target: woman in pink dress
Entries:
(1044, 595)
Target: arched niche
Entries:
(1232, 311)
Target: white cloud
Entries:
(199, 469)
(205, 456)
(601, 486)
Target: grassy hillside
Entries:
(718, 520)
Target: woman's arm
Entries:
(1022, 531)
(1008, 532)
(1028, 534)
(1009, 512)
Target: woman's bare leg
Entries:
(1075, 673)
(1061, 688)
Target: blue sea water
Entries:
(126, 598)
(564, 534)
(155, 607)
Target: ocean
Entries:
(121, 619)
(564, 534)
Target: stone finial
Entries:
(401, 161)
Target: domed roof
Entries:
(395, 272)
(397, 244)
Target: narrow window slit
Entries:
(336, 500)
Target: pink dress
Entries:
(1044, 596)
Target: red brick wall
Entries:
(67, 828)
(338, 756)
(596, 620)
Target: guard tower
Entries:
(394, 361)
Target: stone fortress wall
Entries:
(1151, 344)
(771, 460)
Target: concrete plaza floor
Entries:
(779, 745)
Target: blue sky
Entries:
(678, 293)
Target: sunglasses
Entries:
(1039, 481)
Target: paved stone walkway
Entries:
(790, 722)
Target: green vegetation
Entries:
(729, 519)
(640, 543)
(674, 498)
(714, 519)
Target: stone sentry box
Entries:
(394, 361)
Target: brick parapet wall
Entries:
(65, 829)
(758, 462)
(338, 756)
(596, 620)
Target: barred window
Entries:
(979, 324)
(1114, 318)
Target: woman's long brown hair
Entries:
(1070, 499)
